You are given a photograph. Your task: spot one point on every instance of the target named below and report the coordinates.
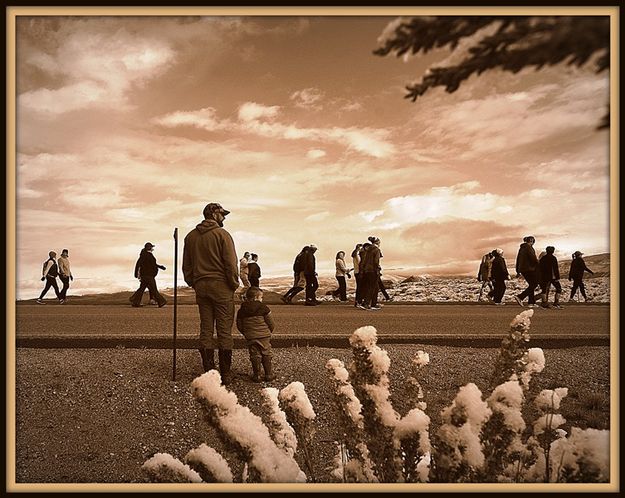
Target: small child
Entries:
(254, 321)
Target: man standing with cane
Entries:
(210, 266)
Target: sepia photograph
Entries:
(259, 249)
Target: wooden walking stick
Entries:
(175, 295)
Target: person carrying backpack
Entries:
(49, 273)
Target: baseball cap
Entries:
(149, 245)
(214, 206)
(578, 253)
(312, 246)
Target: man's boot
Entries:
(208, 358)
(256, 367)
(544, 297)
(269, 376)
(225, 362)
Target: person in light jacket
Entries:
(357, 274)
(484, 275)
(341, 273)
(49, 273)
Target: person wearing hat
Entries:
(549, 275)
(146, 270)
(210, 266)
(243, 273)
(65, 273)
(310, 273)
(576, 273)
(499, 274)
(527, 265)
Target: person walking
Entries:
(499, 274)
(341, 273)
(484, 275)
(65, 273)
(299, 280)
(370, 266)
(256, 324)
(49, 274)
(146, 269)
(253, 271)
(576, 273)
(549, 275)
(527, 265)
(243, 272)
(310, 273)
(210, 266)
(357, 274)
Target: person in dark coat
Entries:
(484, 276)
(310, 273)
(299, 280)
(253, 271)
(370, 266)
(527, 265)
(549, 275)
(357, 274)
(146, 270)
(255, 323)
(498, 274)
(576, 273)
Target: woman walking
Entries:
(576, 273)
(357, 274)
(341, 273)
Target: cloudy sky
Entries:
(128, 126)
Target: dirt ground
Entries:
(96, 415)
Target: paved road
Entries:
(320, 321)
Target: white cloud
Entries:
(251, 111)
(315, 153)
(318, 216)
(205, 119)
(98, 67)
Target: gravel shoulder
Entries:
(95, 415)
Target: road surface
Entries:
(406, 322)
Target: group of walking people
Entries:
(540, 273)
(366, 270)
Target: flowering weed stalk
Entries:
(245, 432)
(299, 412)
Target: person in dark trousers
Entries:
(357, 274)
(341, 273)
(576, 273)
(370, 266)
(49, 273)
(484, 275)
(362, 254)
(255, 323)
(253, 271)
(549, 275)
(65, 273)
(146, 270)
(527, 265)
(210, 266)
(310, 273)
(299, 280)
(382, 289)
(499, 274)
